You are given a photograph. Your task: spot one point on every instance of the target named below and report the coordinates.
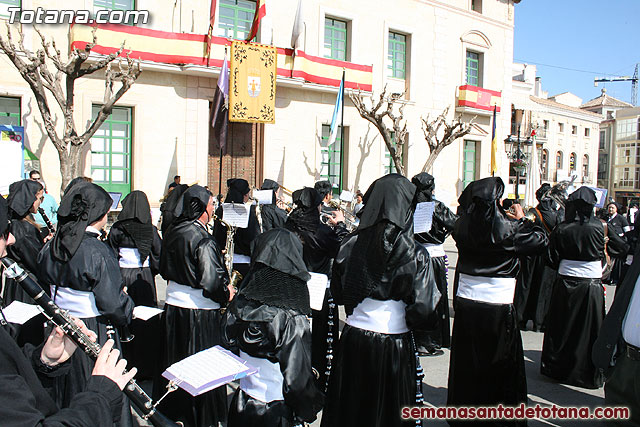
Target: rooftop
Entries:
(605, 100)
(550, 103)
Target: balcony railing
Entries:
(541, 133)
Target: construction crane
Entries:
(633, 80)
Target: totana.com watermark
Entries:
(52, 16)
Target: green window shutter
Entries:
(235, 18)
(111, 151)
(335, 39)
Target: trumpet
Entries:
(289, 206)
(350, 220)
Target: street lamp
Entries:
(518, 157)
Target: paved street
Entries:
(541, 389)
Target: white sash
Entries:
(385, 317)
(494, 290)
(585, 269)
(187, 297)
(80, 304)
(130, 258)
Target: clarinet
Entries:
(61, 318)
(46, 220)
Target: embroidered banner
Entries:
(252, 83)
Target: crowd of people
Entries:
(544, 266)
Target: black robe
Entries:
(93, 268)
(143, 350)
(609, 349)
(282, 336)
(374, 374)
(577, 307)
(272, 217)
(25, 252)
(438, 334)
(319, 250)
(535, 280)
(25, 399)
(487, 362)
(190, 257)
(620, 226)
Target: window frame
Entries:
(108, 184)
(559, 160)
(332, 38)
(391, 52)
(134, 5)
(335, 177)
(13, 115)
(479, 62)
(224, 31)
(6, 4)
(467, 161)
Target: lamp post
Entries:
(518, 156)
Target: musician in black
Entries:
(430, 343)
(619, 225)
(24, 200)
(83, 276)
(487, 362)
(379, 279)
(238, 192)
(576, 312)
(267, 325)
(26, 374)
(169, 206)
(325, 189)
(192, 264)
(137, 244)
(535, 280)
(321, 243)
(272, 215)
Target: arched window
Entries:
(585, 165)
(544, 164)
(559, 160)
(572, 161)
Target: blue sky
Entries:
(597, 36)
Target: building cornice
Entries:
(468, 13)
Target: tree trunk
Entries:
(432, 158)
(69, 165)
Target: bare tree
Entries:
(34, 70)
(381, 114)
(439, 134)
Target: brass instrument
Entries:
(234, 276)
(350, 220)
(288, 192)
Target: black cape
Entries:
(190, 257)
(487, 364)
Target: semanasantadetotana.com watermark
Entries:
(52, 16)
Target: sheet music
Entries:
(207, 370)
(145, 313)
(423, 217)
(236, 214)
(317, 287)
(264, 197)
(347, 196)
(19, 313)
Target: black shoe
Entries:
(433, 351)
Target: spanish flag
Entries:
(261, 11)
(494, 146)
